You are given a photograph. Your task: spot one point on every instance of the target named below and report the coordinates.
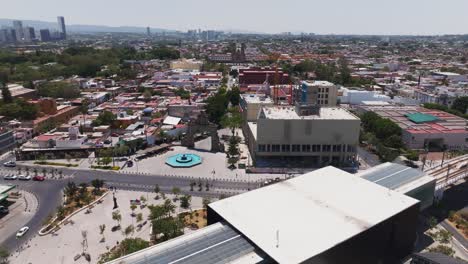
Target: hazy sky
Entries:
(272, 16)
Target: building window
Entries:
(285, 148)
(268, 148)
(326, 102)
(315, 148)
(336, 148)
(275, 148)
(326, 148)
(261, 148)
(305, 148)
(296, 148)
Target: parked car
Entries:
(10, 177)
(129, 163)
(24, 177)
(38, 178)
(107, 141)
(9, 164)
(114, 135)
(4, 210)
(22, 231)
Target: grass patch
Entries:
(56, 164)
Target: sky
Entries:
(382, 17)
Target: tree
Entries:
(102, 228)
(147, 95)
(176, 191)
(97, 184)
(205, 202)
(129, 230)
(133, 207)
(4, 254)
(60, 212)
(6, 95)
(71, 189)
(127, 246)
(156, 190)
(232, 120)
(116, 216)
(460, 104)
(185, 201)
(443, 249)
(216, 107)
(139, 217)
(59, 90)
(104, 118)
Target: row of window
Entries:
(304, 148)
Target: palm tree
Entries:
(35, 171)
(27, 170)
(44, 171)
(117, 217)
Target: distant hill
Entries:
(80, 28)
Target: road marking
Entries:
(205, 249)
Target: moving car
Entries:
(24, 177)
(22, 231)
(9, 164)
(38, 178)
(10, 177)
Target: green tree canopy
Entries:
(59, 90)
(104, 118)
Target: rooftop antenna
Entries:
(277, 238)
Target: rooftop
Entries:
(318, 83)
(289, 112)
(256, 99)
(332, 197)
(217, 243)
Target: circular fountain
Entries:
(185, 160)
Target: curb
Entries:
(43, 233)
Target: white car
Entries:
(22, 231)
(10, 177)
(24, 177)
(9, 164)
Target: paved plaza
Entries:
(65, 244)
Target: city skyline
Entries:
(361, 17)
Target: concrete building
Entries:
(321, 93)
(325, 216)
(62, 27)
(425, 128)
(262, 75)
(355, 97)
(45, 35)
(287, 136)
(19, 33)
(251, 105)
(29, 34)
(7, 140)
(19, 91)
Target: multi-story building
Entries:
(288, 135)
(262, 75)
(321, 93)
(19, 33)
(62, 28)
(184, 64)
(7, 140)
(45, 35)
(29, 34)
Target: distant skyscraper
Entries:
(62, 28)
(45, 35)
(148, 31)
(19, 33)
(3, 35)
(29, 34)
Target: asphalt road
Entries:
(49, 192)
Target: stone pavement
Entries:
(62, 246)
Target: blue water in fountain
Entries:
(185, 160)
